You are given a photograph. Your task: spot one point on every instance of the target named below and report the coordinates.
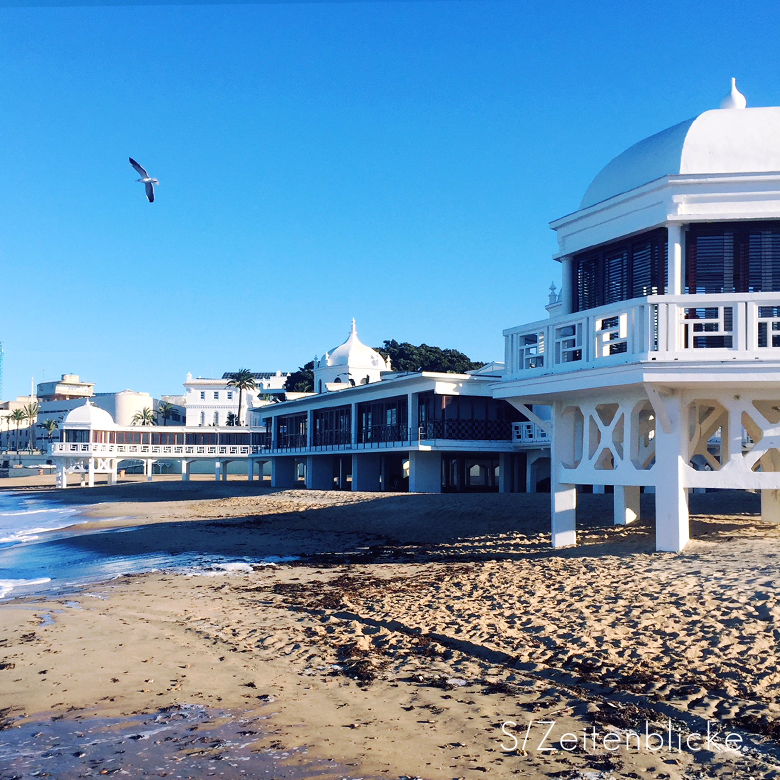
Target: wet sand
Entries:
(415, 628)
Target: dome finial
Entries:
(735, 99)
(353, 330)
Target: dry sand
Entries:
(415, 627)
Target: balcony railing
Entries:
(529, 433)
(77, 449)
(377, 435)
(466, 430)
(739, 326)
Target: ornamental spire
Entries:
(735, 99)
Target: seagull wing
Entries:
(149, 191)
(138, 167)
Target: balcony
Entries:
(679, 328)
(529, 433)
(89, 449)
(466, 430)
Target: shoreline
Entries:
(415, 628)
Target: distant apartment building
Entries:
(210, 401)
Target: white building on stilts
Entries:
(662, 369)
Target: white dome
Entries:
(353, 353)
(726, 140)
(89, 416)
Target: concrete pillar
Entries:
(564, 513)
(671, 499)
(224, 474)
(250, 469)
(366, 471)
(62, 476)
(424, 472)
(674, 282)
(505, 476)
(563, 494)
(283, 472)
(91, 473)
(185, 470)
(218, 466)
(770, 506)
(626, 504)
(319, 472)
(148, 463)
(344, 473)
(530, 482)
(112, 472)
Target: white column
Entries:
(366, 471)
(770, 506)
(91, 472)
(674, 281)
(112, 473)
(62, 476)
(505, 476)
(564, 514)
(319, 472)
(250, 469)
(283, 472)
(424, 472)
(626, 504)
(563, 494)
(185, 470)
(149, 471)
(671, 496)
(217, 470)
(567, 287)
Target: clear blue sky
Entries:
(396, 162)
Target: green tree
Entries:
(166, 411)
(408, 357)
(31, 412)
(302, 380)
(50, 426)
(232, 419)
(145, 416)
(18, 416)
(243, 379)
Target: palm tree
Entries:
(145, 417)
(50, 426)
(166, 411)
(243, 379)
(18, 416)
(31, 412)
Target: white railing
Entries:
(739, 326)
(163, 450)
(529, 433)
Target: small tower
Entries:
(351, 363)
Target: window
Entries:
(203, 418)
(230, 395)
(216, 395)
(202, 395)
(631, 268)
(733, 257)
(216, 418)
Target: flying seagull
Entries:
(146, 179)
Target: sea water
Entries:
(40, 551)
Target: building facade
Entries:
(210, 401)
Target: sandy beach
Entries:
(409, 634)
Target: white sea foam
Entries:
(6, 586)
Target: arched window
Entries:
(203, 418)
(216, 418)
